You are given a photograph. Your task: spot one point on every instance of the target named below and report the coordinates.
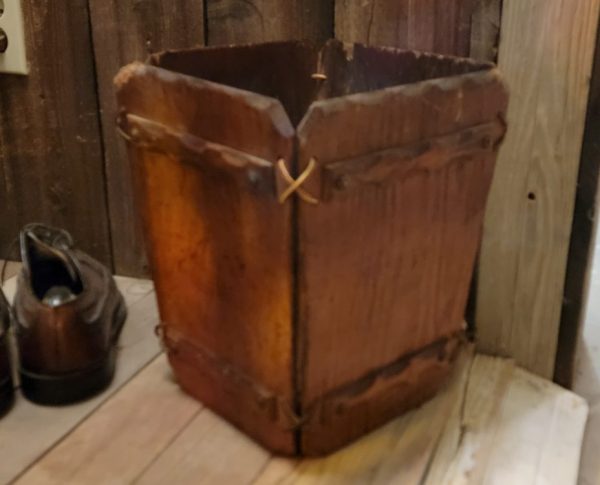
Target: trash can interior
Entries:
(298, 73)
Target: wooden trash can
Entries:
(312, 218)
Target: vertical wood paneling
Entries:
(442, 26)
(124, 31)
(579, 265)
(50, 152)
(546, 51)
(243, 21)
(485, 29)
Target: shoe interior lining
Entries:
(48, 269)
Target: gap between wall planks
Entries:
(125, 31)
(51, 167)
(581, 251)
(546, 51)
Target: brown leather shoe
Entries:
(6, 384)
(69, 315)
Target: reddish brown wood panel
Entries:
(442, 26)
(51, 166)
(243, 21)
(124, 31)
(219, 242)
(385, 263)
(281, 70)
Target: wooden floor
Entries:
(492, 424)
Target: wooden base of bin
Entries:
(331, 422)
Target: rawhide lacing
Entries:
(296, 184)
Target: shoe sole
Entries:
(60, 389)
(7, 396)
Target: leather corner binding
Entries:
(329, 422)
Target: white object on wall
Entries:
(14, 59)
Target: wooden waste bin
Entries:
(312, 218)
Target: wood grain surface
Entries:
(228, 456)
(51, 166)
(278, 290)
(528, 222)
(220, 247)
(401, 452)
(476, 423)
(440, 26)
(485, 29)
(280, 70)
(491, 420)
(123, 32)
(144, 429)
(245, 21)
(353, 280)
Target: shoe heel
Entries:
(68, 388)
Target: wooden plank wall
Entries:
(546, 53)
(61, 161)
(125, 31)
(51, 165)
(243, 21)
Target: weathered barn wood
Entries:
(492, 421)
(441, 26)
(409, 184)
(546, 52)
(485, 29)
(267, 302)
(244, 21)
(125, 31)
(51, 166)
